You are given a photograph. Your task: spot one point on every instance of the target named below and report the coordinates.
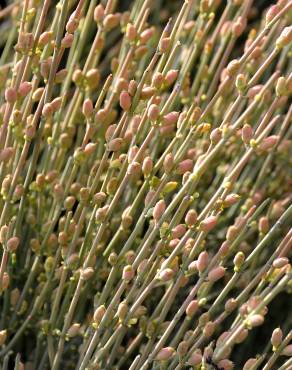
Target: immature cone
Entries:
(249, 364)
(166, 274)
(128, 273)
(195, 358)
(208, 223)
(192, 308)
(255, 320)
(99, 314)
(147, 166)
(276, 339)
(202, 261)
(158, 210)
(74, 330)
(125, 100)
(165, 354)
(280, 262)
(216, 273)
(13, 243)
(153, 112)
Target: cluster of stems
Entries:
(145, 185)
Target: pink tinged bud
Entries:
(45, 38)
(99, 314)
(115, 145)
(131, 32)
(134, 168)
(56, 104)
(255, 320)
(178, 231)
(209, 329)
(165, 354)
(24, 89)
(166, 274)
(157, 80)
(13, 243)
(47, 110)
(216, 135)
(269, 142)
(132, 153)
(264, 225)
(110, 132)
(146, 35)
(98, 13)
(170, 118)
(164, 44)
(232, 233)
(287, 351)
(6, 154)
(90, 148)
(225, 364)
(239, 26)
(216, 273)
(67, 40)
(185, 166)
(111, 21)
(277, 337)
(87, 108)
(171, 76)
(149, 197)
(153, 112)
(241, 336)
(280, 262)
(72, 25)
(158, 210)
(5, 281)
(10, 95)
(74, 330)
(125, 101)
(202, 261)
(128, 273)
(168, 163)
(192, 268)
(195, 358)
(147, 166)
(132, 88)
(192, 308)
(191, 218)
(249, 364)
(208, 224)
(271, 13)
(246, 133)
(285, 38)
(231, 199)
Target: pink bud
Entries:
(269, 142)
(149, 197)
(45, 38)
(216, 135)
(146, 35)
(209, 329)
(153, 112)
(166, 274)
(287, 351)
(6, 154)
(165, 354)
(164, 44)
(191, 218)
(10, 95)
(157, 80)
(277, 337)
(125, 101)
(110, 132)
(185, 166)
(195, 358)
(178, 231)
(239, 26)
(90, 148)
(170, 118)
(99, 314)
(249, 364)
(87, 108)
(115, 145)
(216, 273)
(285, 38)
(192, 308)
(168, 163)
(111, 21)
(56, 104)
(147, 166)
(255, 320)
(171, 76)
(158, 210)
(24, 89)
(264, 225)
(208, 224)
(128, 273)
(246, 133)
(280, 262)
(231, 199)
(131, 32)
(202, 261)
(225, 364)
(13, 243)
(134, 168)
(47, 110)
(98, 13)
(67, 40)
(271, 13)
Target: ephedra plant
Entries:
(145, 175)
